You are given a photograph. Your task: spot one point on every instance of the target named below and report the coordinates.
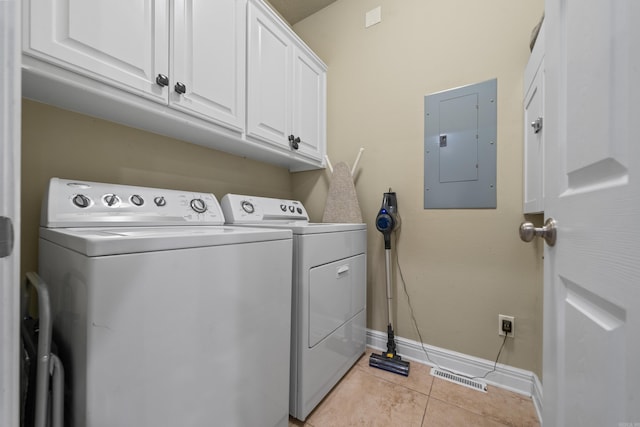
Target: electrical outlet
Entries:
(504, 322)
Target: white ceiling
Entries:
(296, 10)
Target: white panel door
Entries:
(9, 212)
(269, 80)
(591, 365)
(309, 109)
(121, 42)
(208, 58)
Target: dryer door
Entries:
(337, 292)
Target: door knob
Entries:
(547, 232)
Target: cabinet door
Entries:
(121, 42)
(534, 144)
(208, 59)
(309, 105)
(269, 80)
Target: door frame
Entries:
(10, 123)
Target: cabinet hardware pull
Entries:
(295, 141)
(537, 125)
(162, 80)
(180, 88)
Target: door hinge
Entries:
(6, 237)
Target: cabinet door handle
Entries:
(295, 141)
(162, 80)
(537, 125)
(180, 88)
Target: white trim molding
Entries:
(10, 95)
(507, 377)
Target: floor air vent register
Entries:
(458, 379)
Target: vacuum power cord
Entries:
(415, 324)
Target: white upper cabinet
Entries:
(205, 72)
(208, 59)
(191, 56)
(269, 81)
(309, 105)
(120, 42)
(533, 194)
(286, 88)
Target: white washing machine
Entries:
(328, 321)
(163, 315)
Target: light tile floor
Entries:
(369, 396)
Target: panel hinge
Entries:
(6, 237)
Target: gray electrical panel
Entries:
(460, 147)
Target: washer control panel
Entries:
(82, 204)
(242, 209)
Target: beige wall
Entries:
(63, 144)
(462, 267)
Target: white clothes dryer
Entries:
(163, 315)
(328, 320)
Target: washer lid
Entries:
(127, 240)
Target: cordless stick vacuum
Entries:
(386, 221)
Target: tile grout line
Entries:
(424, 415)
(369, 372)
(456, 404)
(427, 395)
(472, 410)
(466, 409)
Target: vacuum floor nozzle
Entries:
(392, 364)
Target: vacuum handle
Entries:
(387, 239)
(385, 223)
(387, 261)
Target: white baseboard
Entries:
(506, 377)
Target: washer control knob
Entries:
(248, 207)
(111, 200)
(159, 201)
(283, 208)
(81, 201)
(137, 200)
(291, 209)
(199, 206)
(299, 211)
